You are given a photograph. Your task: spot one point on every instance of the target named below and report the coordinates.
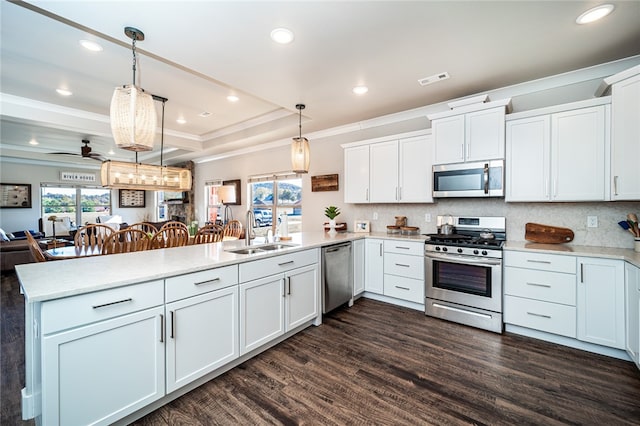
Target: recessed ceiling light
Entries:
(594, 14)
(33, 142)
(91, 45)
(111, 152)
(282, 35)
(233, 98)
(181, 120)
(64, 92)
(360, 90)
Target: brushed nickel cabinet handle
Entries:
(285, 263)
(112, 303)
(289, 285)
(582, 272)
(615, 185)
(539, 285)
(173, 324)
(539, 315)
(546, 262)
(161, 328)
(211, 281)
(403, 265)
(403, 288)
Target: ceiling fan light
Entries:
(133, 118)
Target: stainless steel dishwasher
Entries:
(337, 276)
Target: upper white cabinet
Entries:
(560, 156)
(470, 133)
(625, 136)
(396, 170)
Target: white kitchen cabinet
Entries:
(558, 157)
(625, 138)
(356, 174)
(396, 170)
(632, 298)
(202, 335)
(273, 305)
(105, 362)
(404, 270)
(358, 267)
(374, 266)
(600, 302)
(473, 136)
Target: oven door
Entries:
(484, 179)
(465, 280)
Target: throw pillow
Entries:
(3, 235)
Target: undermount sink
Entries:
(276, 246)
(248, 250)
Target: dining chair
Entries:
(126, 241)
(208, 234)
(92, 235)
(147, 227)
(171, 234)
(36, 251)
(233, 228)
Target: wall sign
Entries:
(82, 177)
(324, 183)
(131, 198)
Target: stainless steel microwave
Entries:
(481, 179)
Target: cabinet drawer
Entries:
(404, 247)
(404, 266)
(61, 314)
(541, 261)
(262, 268)
(188, 285)
(540, 285)
(544, 316)
(404, 288)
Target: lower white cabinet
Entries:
(202, 335)
(404, 270)
(358, 266)
(271, 306)
(101, 372)
(374, 266)
(632, 297)
(600, 302)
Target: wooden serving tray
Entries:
(547, 234)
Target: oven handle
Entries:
(465, 260)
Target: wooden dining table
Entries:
(72, 252)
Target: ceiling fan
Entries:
(85, 152)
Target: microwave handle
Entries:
(486, 178)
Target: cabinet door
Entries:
(358, 267)
(383, 172)
(448, 136)
(202, 335)
(302, 296)
(600, 301)
(356, 174)
(632, 297)
(528, 159)
(414, 169)
(578, 155)
(374, 267)
(261, 312)
(484, 134)
(101, 372)
(625, 134)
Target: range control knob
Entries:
(476, 252)
(437, 248)
(444, 249)
(459, 250)
(484, 252)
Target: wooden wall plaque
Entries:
(324, 183)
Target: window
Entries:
(212, 201)
(72, 205)
(275, 196)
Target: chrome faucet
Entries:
(250, 223)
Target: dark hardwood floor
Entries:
(380, 364)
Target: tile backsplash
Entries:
(568, 215)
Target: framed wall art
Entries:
(361, 226)
(131, 198)
(15, 195)
(324, 183)
(238, 192)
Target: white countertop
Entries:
(628, 255)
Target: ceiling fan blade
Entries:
(63, 153)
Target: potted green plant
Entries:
(332, 212)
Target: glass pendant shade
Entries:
(123, 175)
(300, 155)
(133, 118)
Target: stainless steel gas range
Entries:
(463, 271)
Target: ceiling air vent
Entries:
(434, 78)
(204, 114)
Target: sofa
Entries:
(14, 249)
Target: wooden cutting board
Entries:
(547, 234)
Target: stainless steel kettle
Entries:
(447, 228)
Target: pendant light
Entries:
(133, 114)
(300, 148)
